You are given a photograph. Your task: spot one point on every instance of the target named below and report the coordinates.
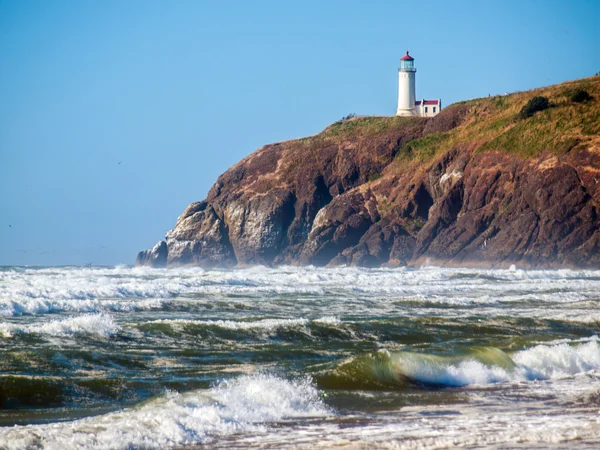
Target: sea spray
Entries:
(119, 356)
(55, 290)
(98, 325)
(478, 366)
(560, 360)
(245, 404)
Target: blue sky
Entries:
(115, 115)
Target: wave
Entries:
(263, 324)
(290, 329)
(37, 306)
(71, 289)
(96, 325)
(481, 366)
(560, 360)
(245, 404)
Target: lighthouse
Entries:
(407, 103)
(406, 86)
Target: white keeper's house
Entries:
(408, 105)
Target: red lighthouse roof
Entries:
(407, 57)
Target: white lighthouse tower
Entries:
(406, 86)
(408, 105)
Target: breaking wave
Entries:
(384, 369)
(301, 329)
(245, 404)
(93, 290)
(96, 325)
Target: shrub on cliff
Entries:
(536, 104)
(580, 96)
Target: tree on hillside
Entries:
(536, 104)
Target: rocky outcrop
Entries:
(507, 210)
(462, 188)
(200, 238)
(339, 226)
(155, 257)
(264, 209)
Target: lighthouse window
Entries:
(426, 109)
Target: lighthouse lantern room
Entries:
(407, 62)
(407, 103)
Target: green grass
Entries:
(558, 129)
(363, 126)
(375, 176)
(423, 149)
(492, 124)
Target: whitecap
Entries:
(98, 325)
(540, 362)
(560, 360)
(245, 404)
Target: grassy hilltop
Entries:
(493, 123)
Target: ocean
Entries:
(298, 357)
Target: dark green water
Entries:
(292, 357)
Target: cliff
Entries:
(481, 183)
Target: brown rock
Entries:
(155, 257)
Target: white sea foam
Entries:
(541, 362)
(263, 300)
(445, 426)
(126, 289)
(98, 325)
(461, 374)
(328, 320)
(127, 282)
(362, 292)
(263, 324)
(263, 328)
(245, 404)
(43, 306)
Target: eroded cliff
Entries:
(477, 184)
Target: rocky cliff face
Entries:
(474, 185)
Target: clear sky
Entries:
(115, 115)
